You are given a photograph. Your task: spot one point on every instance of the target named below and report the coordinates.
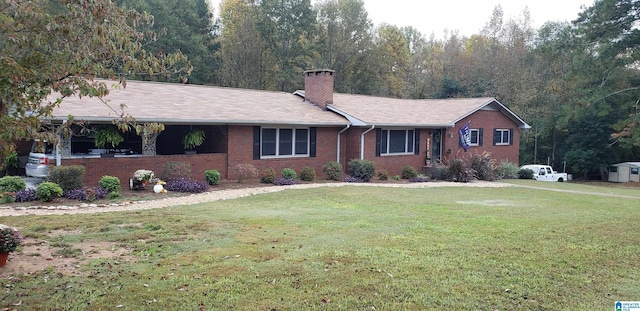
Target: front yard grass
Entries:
(354, 248)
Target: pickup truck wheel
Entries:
(560, 179)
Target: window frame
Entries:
(502, 142)
(293, 142)
(386, 143)
(477, 137)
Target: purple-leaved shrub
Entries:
(186, 185)
(26, 195)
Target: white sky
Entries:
(466, 16)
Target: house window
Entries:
(613, 169)
(476, 137)
(634, 171)
(502, 137)
(394, 142)
(284, 142)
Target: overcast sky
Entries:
(466, 16)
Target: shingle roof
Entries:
(371, 110)
(183, 103)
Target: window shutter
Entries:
(378, 137)
(416, 148)
(256, 143)
(480, 136)
(496, 136)
(511, 136)
(312, 142)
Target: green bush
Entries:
(362, 169)
(507, 170)
(67, 177)
(333, 170)
(12, 184)
(525, 173)
(382, 174)
(308, 174)
(47, 191)
(396, 177)
(409, 172)
(6, 197)
(289, 173)
(437, 172)
(482, 164)
(114, 195)
(110, 183)
(459, 171)
(212, 177)
(268, 176)
(176, 170)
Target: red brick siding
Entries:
(488, 121)
(241, 151)
(392, 164)
(124, 167)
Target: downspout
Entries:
(362, 141)
(342, 131)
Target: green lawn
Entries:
(353, 248)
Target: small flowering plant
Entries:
(10, 239)
(143, 176)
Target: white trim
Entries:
(407, 142)
(293, 154)
(502, 143)
(477, 143)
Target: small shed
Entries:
(624, 172)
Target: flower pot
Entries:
(3, 259)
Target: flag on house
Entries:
(465, 136)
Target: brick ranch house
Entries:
(276, 130)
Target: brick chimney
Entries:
(318, 87)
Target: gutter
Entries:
(342, 131)
(362, 141)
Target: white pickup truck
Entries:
(545, 173)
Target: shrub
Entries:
(459, 171)
(268, 176)
(351, 179)
(525, 173)
(507, 170)
(362, 169)
(87, 194)
(409, 172)
(308, 174)
(285, 182)
(382, 174)
(333, 170)
(396, 177)
(26, 195)
(420, 178)
(289, 173)
(67, 177)
(186, 185)
(482, 164)
(47, 191)
(12, 184)
(245, 171)
(110, 183)
(6, 197)
(438, 172)
(176, 169)
(212, 177)
(114, 195)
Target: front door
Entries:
(436, 147)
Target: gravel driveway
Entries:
(212, 196)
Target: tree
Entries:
(246, 62)
(185, 26)
(392, 58)
(286, 27)
(343, 42)
(63, 46)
